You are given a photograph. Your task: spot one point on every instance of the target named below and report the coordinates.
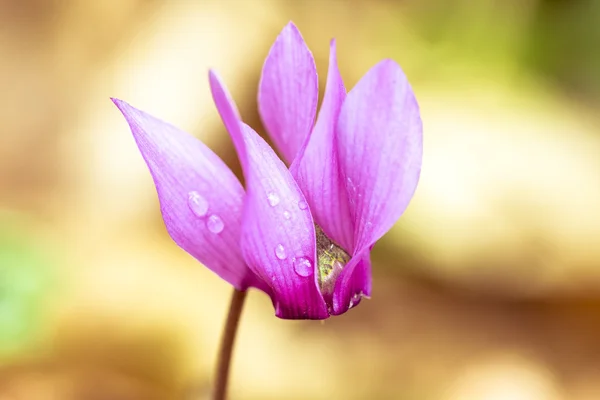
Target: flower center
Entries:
(331, 260)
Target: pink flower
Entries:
(302, 235)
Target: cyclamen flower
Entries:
(302, 235)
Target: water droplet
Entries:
(303, 266)
(280, 252)
(215, 224)
(197, 204)
(287, 215)
(302, 205)
(273, 199)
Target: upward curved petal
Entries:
(278, 236)
(316, 168)
(380, 146)
(353, 284)
(288, 92)
(200, 198)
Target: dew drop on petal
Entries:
(215, 224)
(287, 215)
(273, 199)
(302, 205)
(198, 204)
(280, 252)
(303, 266)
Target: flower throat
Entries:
(331, 261)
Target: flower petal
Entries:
(288, 92)
(316, 169)
(278, 236)
(353, 284)
(200, 198)
(380, 147)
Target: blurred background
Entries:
(487, 289)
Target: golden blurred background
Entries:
(487, 289)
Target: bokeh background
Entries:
(488, 288)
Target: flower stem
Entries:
(227, 342)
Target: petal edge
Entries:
(380, 144)
(277, 231)
(316, 169)
(288, 92)
(200, 198)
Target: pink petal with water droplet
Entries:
(316, 169)
(265, 226)
(194, 187)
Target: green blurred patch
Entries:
(25, 276)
